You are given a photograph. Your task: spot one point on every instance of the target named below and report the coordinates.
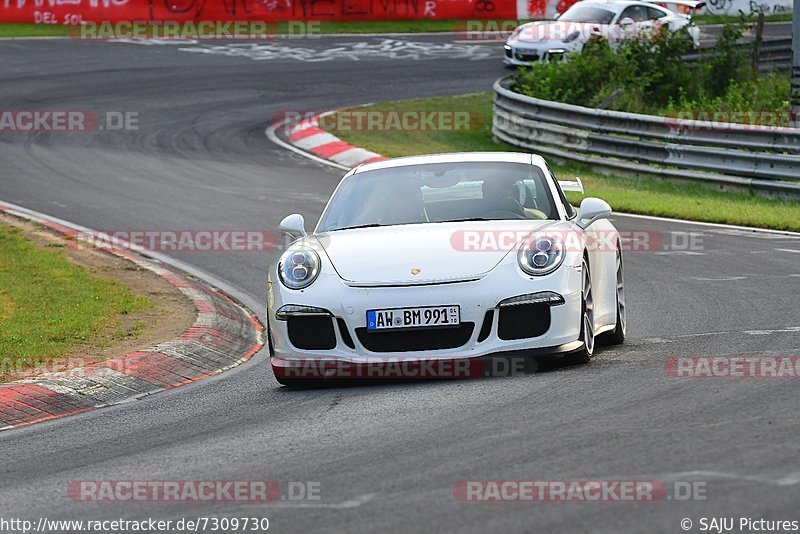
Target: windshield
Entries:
(440, 192)
(587, 13)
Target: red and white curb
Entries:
(224, 335)
(307, 136)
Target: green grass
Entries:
(48, 306)
(8, 29)
(728, 19)
(648, 196)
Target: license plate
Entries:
(422, 317)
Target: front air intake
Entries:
(311, 332)
(523, 321)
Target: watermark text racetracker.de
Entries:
(565, 31)
(374, 120)
(711, 120)
(171, 240)
(493, 240)
(60, 120)
(196, 29)
(733, 366)
(245, 491)
(599, 490)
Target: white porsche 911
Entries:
(609, 20)
(447, 257)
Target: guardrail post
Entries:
(795, 87)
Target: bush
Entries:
(649, 75)
(761, 101)
(578, 80)
(727, 64)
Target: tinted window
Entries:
(587, 13)
(637, 13)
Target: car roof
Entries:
(604, 3)
(454, 157)
(621, 4)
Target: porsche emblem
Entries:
(415, 271)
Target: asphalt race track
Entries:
(386, 455)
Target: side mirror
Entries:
(592, 209)
(627, 21)
(293, 226)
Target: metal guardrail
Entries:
(775, 54)
(762, 160)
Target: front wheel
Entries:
(299, 383)
(617, 336)
(584, 354)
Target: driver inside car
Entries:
(505, 198)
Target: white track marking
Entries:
(724, 279)
(790, 479)
(352, 51)
(749, 233)
(786, 329)
(272, 136)
(353, 156)
(355, 502)
(313, 141)
(673, 339)
(748, 229)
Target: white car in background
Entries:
(446, 257)
(610, 20)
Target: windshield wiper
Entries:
(467, 220)
(372, 225)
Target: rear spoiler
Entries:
(570, 185)
(691, 4)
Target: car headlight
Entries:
(540, 255)
(298, 267)
(571, 37)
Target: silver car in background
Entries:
(609, 20)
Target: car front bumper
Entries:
(522, 53)
(345, 338)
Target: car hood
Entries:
(557, 31)
(415, 254)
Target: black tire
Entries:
(617, 336)
(270, 346)
(585, 353)
(300, 383)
